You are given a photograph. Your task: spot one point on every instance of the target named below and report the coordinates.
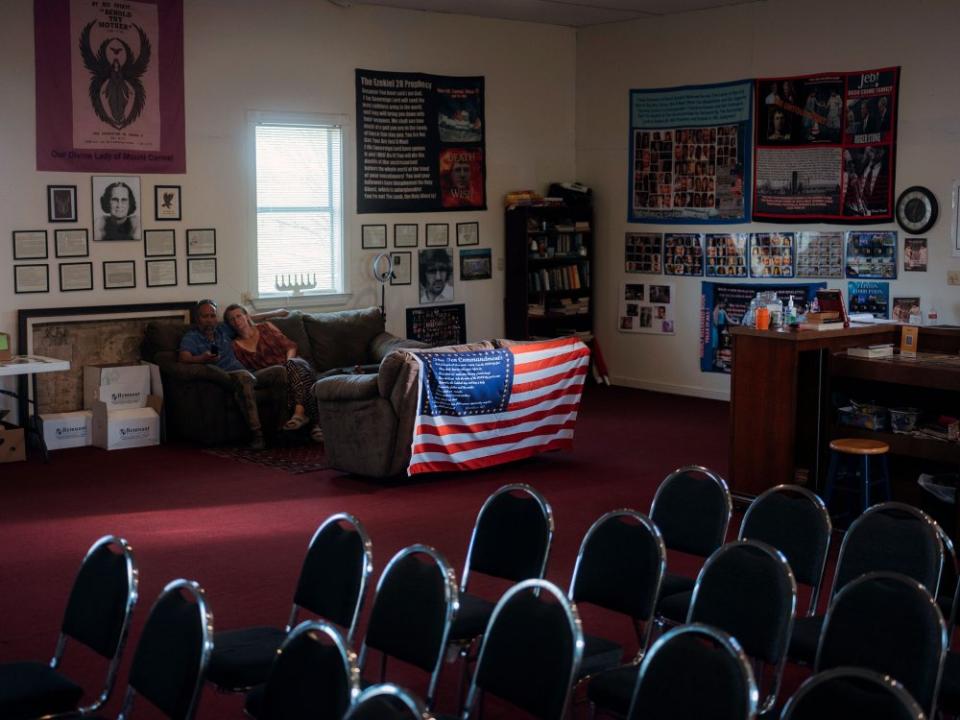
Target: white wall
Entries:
(299, 55)
(762, 39)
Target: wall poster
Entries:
(872, 254)
(727, 254)
(820, 254)
(109, 79)
(771, 254)
(869, 297)
(647, 308)
(683, 253)
(690, 154)
(644, 252)
(825, 147)
(420, 143)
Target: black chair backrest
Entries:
(694, 671)
(511, 538)
(333, 579)
(887, 622)
(173, 651)
(796, 522)
(531, 650)
(413, 610)
(692, 509)
(891, 537)
(387, 702)
(851, 692)
(313, 676)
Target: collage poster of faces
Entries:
(771, 255)
(820, 254)
(644, 252)
(683, 253)
(647, 308)
(727, 254)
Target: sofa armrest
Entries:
(191, 372)
(385, 343)
(346, 387)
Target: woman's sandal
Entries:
(316, 434)
(295, 422)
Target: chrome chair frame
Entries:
(408, 699)
(895, 689)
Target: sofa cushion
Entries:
(162, 337)
(292, 327)
(342, 339)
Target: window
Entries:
(299, 205)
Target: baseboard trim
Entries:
(689, 390)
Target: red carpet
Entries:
(241, 529)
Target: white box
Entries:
(121, 429)
(133, 378)
(67, 430)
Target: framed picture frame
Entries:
(30, 245)
(166, 202)
(476, 264)
(74, 242)
(402, 268)
(201, 241)
(116, 207)
(76, 277)
(201, 271)
(406, 235)
(438, 325)
(31, 279)
(119, 274)
(373, 237)
(161, 273)
(438, 235)
(159, 243)
(61, 203)
(468, 233)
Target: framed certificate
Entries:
(159, 243)
(31, 279)
(201, 271)
(76, 276)
(405, 235)
(374, 237)
(202, 242)
(438, 234)
(119, 274)
(161, 273)
(72, 243)
(468, 233)
(29, 244)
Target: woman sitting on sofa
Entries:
(260, 345)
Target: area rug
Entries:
(296, 460)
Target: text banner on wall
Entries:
(723, 305)
(420, 143)
(109, 79)
(690, 154)
(825, 147)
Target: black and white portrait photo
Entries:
(116, 208)
(436, 275)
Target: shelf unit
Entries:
(549, 265)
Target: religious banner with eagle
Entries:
(110, 86)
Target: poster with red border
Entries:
(825, 147)
(109, 83)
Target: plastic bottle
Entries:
(791, 312)
(776, 314)
(932, 316)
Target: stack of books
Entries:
(871, 351)
(821, 321)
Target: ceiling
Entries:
(572, 13)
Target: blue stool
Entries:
(850, 459)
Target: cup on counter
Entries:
(763, 318)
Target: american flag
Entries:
(488, 407)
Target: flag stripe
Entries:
(430, 461)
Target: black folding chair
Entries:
(851, 692)
(889, 623)
(97, 615)
(332, 585)
(413, 609)
(387, 702)
(314, 676)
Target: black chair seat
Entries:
(673, 584)
(30, 689)
(472, 617)
(613, 689)
(253, 705)
(242, 658)
(805, 638)
(599, 654)
(950, 685)
(675, 607)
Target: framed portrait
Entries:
(161, 273)
(116, 207)
(406, 235)
(476, 264)
(441, 325)
(373, 237)
(119, 274)
(159, 243)
(402, 268)
(438, 234)
(61, 203)
(202, 241)
(436, 275)
(201, 271)
(31, 279)
(29, 244)
(76, 276)
(468, 233)
(72, 243)
(167, 202)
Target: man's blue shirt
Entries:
(196, 343)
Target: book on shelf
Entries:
(871, 351)
(831, 325)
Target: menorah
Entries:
(295, 283)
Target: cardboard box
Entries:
(119, 385)
(12, 445)
(131, 428)
(67, 430)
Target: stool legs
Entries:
(865, 495)
(831, 477)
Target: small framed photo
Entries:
(161, 273)
(373, 237)
(72, 243)
(167, 202)
(402, 268)
(438, 234)
(406, 235)
(159, 243)
(475, 264)
(119, 274)
(468, 233)
(116, 207)
(76, 276)
(202, 241)
(30, 245)
(31, 279)
(61, 203)
(201, 271)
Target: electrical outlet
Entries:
(500, 264)
(953, 277)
